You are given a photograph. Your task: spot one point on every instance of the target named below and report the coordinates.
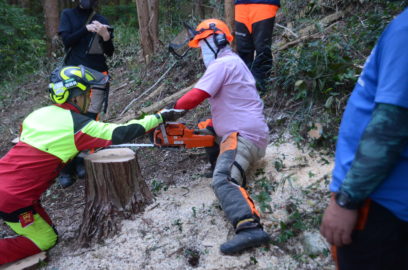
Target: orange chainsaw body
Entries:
(178, 135)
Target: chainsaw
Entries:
(176, 135)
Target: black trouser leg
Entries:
(212, 154)
(381, 245)
(262, 39)
(245, 44)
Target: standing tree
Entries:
(199, 10)
(51, 21)
(148, 16)
(230, 16)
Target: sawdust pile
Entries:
(184, 227)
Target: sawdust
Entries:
(184, 227)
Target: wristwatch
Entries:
(344, 200)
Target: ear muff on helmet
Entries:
(220, 40)
(72, 81)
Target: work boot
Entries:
(65, 180)
(245, 239)
(79, 165)
(80, 171)
(208, 172)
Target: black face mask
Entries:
(87, 4)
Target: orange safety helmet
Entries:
(207, 28)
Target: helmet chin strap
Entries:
(211, 48)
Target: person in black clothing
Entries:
(77, 35)
(78, 27)
(254, 21)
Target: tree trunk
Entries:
(230, 17)
(144, 35)
(51, 21)
(114, 191)
(154, 23)
(199, 9)
(25, 3)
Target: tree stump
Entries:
(114, 190)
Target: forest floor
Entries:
(184, 226)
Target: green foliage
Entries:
(318, 69)
(265, 189)
(121, 14)
(319, 74)
(329, 66)
(158, 186)
(21, 41)
(178, 224)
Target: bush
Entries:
(318, 75)
(22, 41)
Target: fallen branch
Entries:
(162, 103)
(148, 90)
(294, 42)
(121, 86)
(322, 23)
(308, 32)
(287, 29)
(155, 92)
(303, 38)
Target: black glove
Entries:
(170, 115)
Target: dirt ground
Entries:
(184, 226)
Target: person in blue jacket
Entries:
(366, 220)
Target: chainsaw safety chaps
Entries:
(234, 199)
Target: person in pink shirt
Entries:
(240, 127)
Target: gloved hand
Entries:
(170, 115)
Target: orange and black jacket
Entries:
(51, 137)
(271, 2)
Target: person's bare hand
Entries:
(102, 30)
(337, 224)
(91, 27)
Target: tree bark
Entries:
(230, 17)
(146, 40)
(199, 9)
(154, 23)
(51, 21)
(114, 190)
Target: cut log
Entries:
(114, 190)
(26, 262)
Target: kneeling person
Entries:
(50, 138)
